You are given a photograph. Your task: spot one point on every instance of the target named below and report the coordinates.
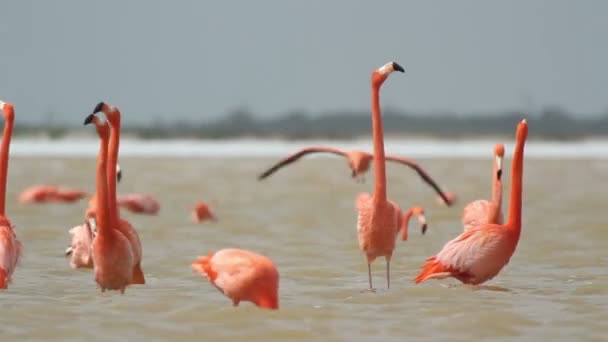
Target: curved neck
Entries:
(378, 139)
(515, 198)
(4, 152)
(103, 213)
(111, 168)
(494, 212)
(406, 219)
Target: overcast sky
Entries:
(198, 59)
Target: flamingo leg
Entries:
(369, 273)
(388, 273)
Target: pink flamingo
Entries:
(112, 254)
(242, 275)
(416, 211)
(481, 211)
(139, 203)
(79, 250)
(10, 247)
(113, 115)
(378, 217)
(479, 254)
(202, 212)
(49, 193)
(358, 162)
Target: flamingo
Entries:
(139, 203)
(242, 275)
(413, 211)
(358, 162)
(478, 255)
(378, 217)
(79, 250)
(10, 247)
(49, 193)
(113, 116)
(202, 212)
(481, 211)
(113, 259)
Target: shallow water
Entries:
(304, 219)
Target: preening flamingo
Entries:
(482, 211)
(10, 247)
(242, 275)
(479, 254)
(416, 211)
(202, 212)
(358, 162)
(378, 218)
(112, 254)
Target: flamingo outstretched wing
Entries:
(422, 173)
(294, 157)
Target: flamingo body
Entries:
(202, 212)
(139, 203)
(241, 275)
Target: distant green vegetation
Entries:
(552, 123)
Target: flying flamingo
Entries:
(358, 162)
(481, 211)
(378, 217)
(242, 275)
(112, 254)
(113, 116)
(479, 254)
(202, 212)
(413, 211)
(10, 247)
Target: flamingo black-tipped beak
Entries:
(119, 175)
(397, 67)
(499, 174)
(99, 107)
(68, 251)
(89, 119)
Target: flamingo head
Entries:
(379, 75)
(112, 114)
(7, 109)
(359, 163)
(499, 152)
(419, 213)
(101, 125)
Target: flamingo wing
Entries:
(294, 157)
(422, 173)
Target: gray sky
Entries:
(197, 59)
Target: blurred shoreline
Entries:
(87, 146)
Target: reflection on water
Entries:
(304, 219)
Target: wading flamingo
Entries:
(479, 254)
(482, 211)
(113, 116)
(202, 212)
(79, 250)
(358, 162)
(113, 259)
(50, 194)
(378, 218)
(139, 203)
(413, 211)
(10, 247)
(242, 275)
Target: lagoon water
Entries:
(304, 219)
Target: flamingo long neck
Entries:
(378, 139)
(495, 208)
(4, 152)
(406, 219)
(103, 212)
(111, 167)
(515, 198)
